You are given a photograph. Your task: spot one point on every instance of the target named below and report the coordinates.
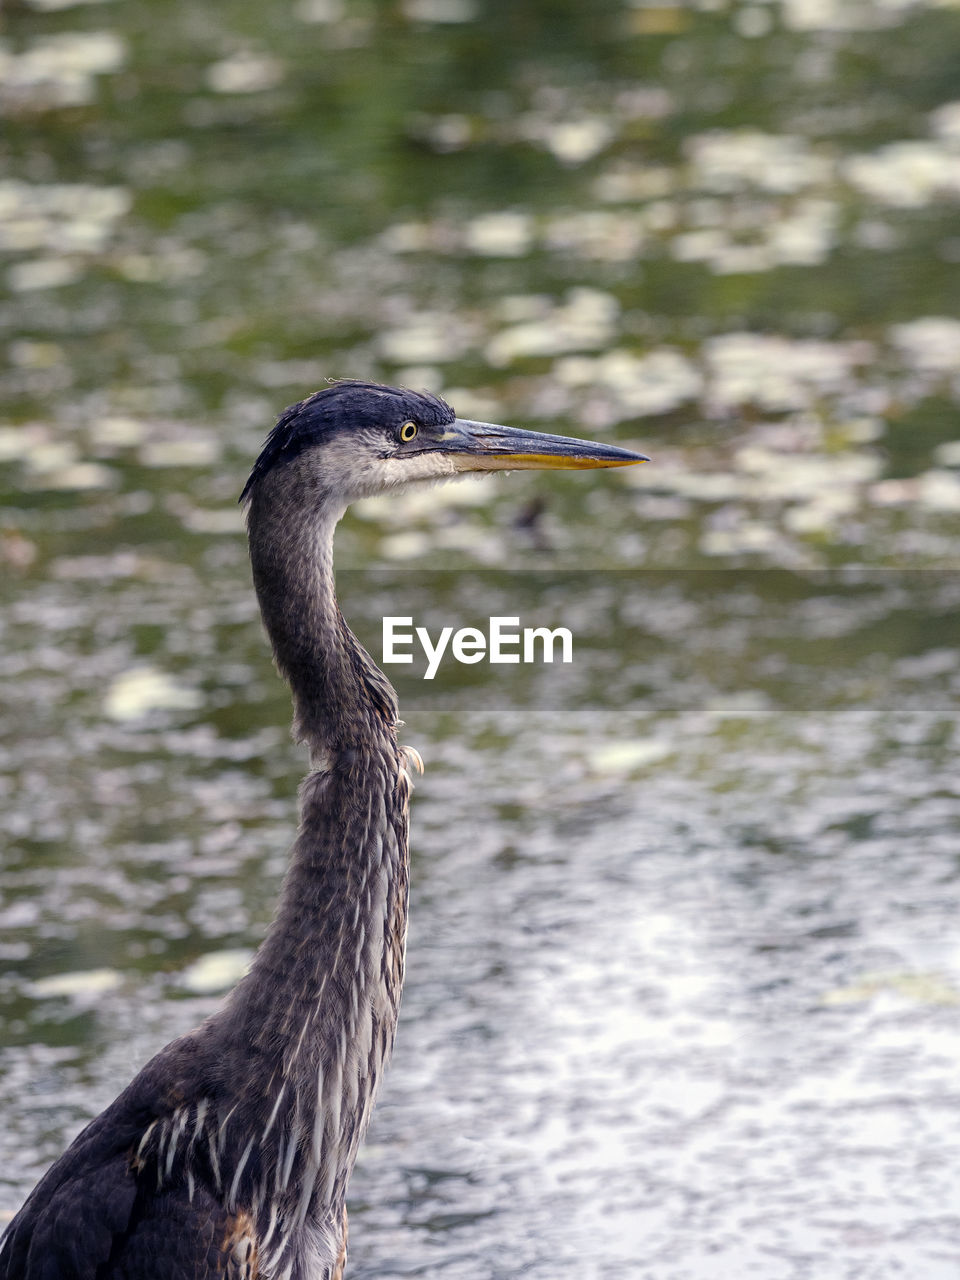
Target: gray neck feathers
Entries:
(341, 698)
(313, 1021)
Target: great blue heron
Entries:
(229, 1154)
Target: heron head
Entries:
(359, 439)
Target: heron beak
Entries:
(484, 446)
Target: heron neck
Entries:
(318, 1009)
(313, 1021)
(342, 701)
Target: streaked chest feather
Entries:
(281, 1152)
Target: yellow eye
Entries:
(408, 431)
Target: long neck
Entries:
(341, 698)
(304, 1037)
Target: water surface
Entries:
(683, 978)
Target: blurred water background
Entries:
(684, 968)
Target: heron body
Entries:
(229, 1154)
